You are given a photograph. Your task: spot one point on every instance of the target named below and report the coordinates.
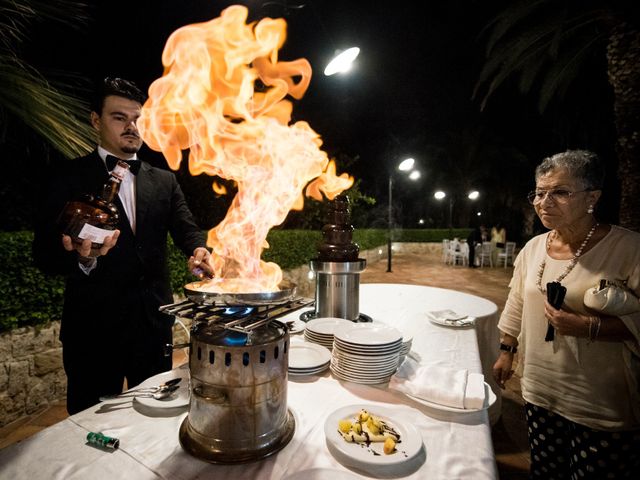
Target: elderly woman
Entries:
(580, 384)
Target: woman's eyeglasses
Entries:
(559, 196)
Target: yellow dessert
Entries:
(368, 428)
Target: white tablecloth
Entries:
(456, 446)
(404, 306)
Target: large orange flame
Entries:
(207, 102)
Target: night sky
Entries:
(409, 93)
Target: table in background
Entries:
(455, 445)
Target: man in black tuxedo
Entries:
(111, 327)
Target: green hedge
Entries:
(31, 298)
(28, 297)
(429, 235)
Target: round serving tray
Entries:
(287, 292)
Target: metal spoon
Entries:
(162, 392)
(168, 383)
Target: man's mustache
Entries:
(130, 133)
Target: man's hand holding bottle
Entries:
(85, 254)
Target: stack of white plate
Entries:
(308, 358)
(320, 330)
(366, 353)
(407, 340)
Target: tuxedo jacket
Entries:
(131, 281)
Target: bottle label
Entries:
(95, 234)
(119, 171)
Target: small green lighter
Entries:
(102, 440)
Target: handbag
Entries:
(612, 298)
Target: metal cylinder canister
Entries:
(238, 408)
(338, 288)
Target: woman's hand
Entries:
(502, 369)
(567, 323)
(200, 263)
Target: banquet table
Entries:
(456, 445)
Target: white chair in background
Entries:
(484, 254)
(461, 254)
(445, 250)
(454, 246)
(508, 254)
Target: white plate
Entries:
(366, 366)
(410, 445)
(326, 325)
(489, 399)
(364, 352)
(301, 373)
(179, 398)
(327, 345)
(321, 474)
(358, 379)
(368, 334)
(466, 322)
(308, 355)
(366, 370)
(296, 326)
(319, 338)
(446, 315)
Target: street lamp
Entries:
(405, 166)
(342, 62)
(440, 195)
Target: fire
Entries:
(208, 101)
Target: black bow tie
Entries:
(134, 165)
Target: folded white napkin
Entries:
(444, 386)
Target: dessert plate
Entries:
(361, 455)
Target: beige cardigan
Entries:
(593, 384)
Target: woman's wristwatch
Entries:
(508, 348)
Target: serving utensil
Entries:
(159, 392)
(168, 383)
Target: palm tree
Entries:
(549, 42)
(56, 115)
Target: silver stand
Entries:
(337, 290)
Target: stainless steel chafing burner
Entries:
(238, 407)
(238, 361)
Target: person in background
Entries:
(111, 328)
(580, 384)
(498, 235)
(475, 238)
(498, 240)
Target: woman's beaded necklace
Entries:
(571, 264)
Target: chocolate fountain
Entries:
(337, 268)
